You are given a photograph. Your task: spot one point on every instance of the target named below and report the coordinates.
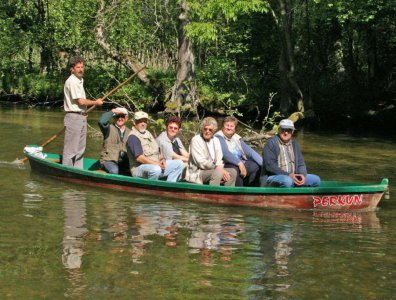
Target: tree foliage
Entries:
(341, 53)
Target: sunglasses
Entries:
(208, 129)
(119, 116)
(173, 127)
(286, 130)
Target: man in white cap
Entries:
(283, 163)
(113, 157)
(145, 159)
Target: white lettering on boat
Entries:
(337, 200)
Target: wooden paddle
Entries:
(22, 161)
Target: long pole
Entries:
(88, 110)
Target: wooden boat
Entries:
(330, 196)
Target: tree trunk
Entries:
(285, 97)
(127, 60)
(184, 96)
(289, 85)
(372, 60)
(46, 40)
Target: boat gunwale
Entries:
(347, 187)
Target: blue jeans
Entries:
(111, 167)
(173, 169)
(286, 181)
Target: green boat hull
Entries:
(330, 196)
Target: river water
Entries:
(64, 241)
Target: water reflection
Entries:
(264, 248)
(220, 233)
(283, 249)
(31, 198)
(74, 207)
(350, 221)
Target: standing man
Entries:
(114, 158)
(145, 159)
(284, 165)
(238, 155)
(75, 121)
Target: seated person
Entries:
(170, 145)
(113, 157)
(284, 165)
(145, 159)
(205, 164)
(238, 155)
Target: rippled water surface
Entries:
(66, 241)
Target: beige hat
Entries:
(140, 115)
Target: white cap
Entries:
(120, 111)
(286, 124)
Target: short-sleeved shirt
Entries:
(73, 90)
(167, 146)
(135, 146)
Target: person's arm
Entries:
(145, 160)
(183, 157)
(228, 156)
(81, 102)
(251, 153)
(184, 154)
(104, 123)
(301, 168)
(135, 146)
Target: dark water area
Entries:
(65, 241)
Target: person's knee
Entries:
(111, 167)
(313, 180)
(287, 181)
(112, 170)
(216, 175)
(254, 168)
(155, 172)
(233, 172)
(179, 165)
(280, 181)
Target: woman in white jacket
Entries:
(205, 164)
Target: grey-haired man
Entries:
(283, 163)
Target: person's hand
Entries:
(162, 163)
(242, 169)
(226, 176)
(98, 101)
(298, 179)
